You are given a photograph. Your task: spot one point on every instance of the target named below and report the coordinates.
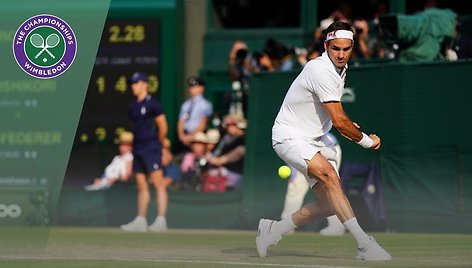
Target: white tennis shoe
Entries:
(159, 225)
(372, 251)
(139, 224)
(265, 238)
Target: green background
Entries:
(32, 172)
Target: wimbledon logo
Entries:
(44, 46)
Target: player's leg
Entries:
(333, 195)
(328, 180)
(295, 153)
(270, 232)
(330, 198)
(335, 227)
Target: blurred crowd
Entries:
(207, 155)
(431, 34)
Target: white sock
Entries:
(284, 226)
(355, 229)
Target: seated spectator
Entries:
(213, 137)
(193, 161)
(172, 174)
(120, 168)
(228, 155)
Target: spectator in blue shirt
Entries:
(194, 112)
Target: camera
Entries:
(241, 54)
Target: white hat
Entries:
(200, 137)
(126, 137)
(213, 136)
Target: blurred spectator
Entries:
(378, 46)
(239, 64)
(194, 112)
(193, 162)
(213, 137)
(461, 45)
(342, 13)
(281, 57)
(362, 44)
(314, 49)
(262, 63)
(120, 168)
(228, 156)
(172, 173)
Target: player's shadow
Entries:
(252, 252)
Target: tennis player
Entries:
(311, 107)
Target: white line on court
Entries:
(174, 261)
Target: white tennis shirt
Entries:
(302, 114)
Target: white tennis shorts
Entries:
(297, 152)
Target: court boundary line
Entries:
(173, 261)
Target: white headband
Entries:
(340, 34)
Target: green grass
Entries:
(110, 247)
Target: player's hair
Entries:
(339, 25)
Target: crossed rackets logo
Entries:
(44, 46)
(38, 42)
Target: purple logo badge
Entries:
(44, 46)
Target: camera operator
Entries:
(239, 66)
(362, 49)
(420, 37)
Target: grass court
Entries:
(111, 247)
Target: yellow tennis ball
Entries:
(284, 172)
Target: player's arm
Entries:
(161, 123)
(349, 129)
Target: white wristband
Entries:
(366, 141)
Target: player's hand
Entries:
(376, 139)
